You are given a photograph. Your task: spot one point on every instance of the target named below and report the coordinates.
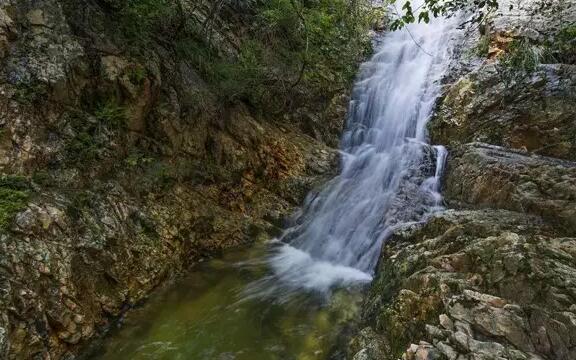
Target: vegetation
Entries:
(524, 55)
(30, 93)
(483, 46)
(563, 47)
(14, 195)
(110, 115)
(79, 201)
(288, 48)
(93, 132)
(479, 9)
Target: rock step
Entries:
(482, 175)
(473, 284)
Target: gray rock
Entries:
(488, 176)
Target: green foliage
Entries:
(79, 201)
(110, 114)
(30, 93)
(137, 159)
(14, 182)
(338, 41)
(83, 148)
(242, 78)
(140, 19)
(42, 177)
(285, 47)
(483, 46)
(523, 56)
(14, 195)
(434, 8)
(562, 47)
(93, 133)
(137, 74)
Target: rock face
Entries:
(488, 176)
(493, 276)
(481, 284)
(532, 112)
(118, 170)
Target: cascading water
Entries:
(389, 175)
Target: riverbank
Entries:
(493, 276)
(138, 137)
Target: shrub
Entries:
(111, 115)
(563, 46)
(79, 201)
(285, 48)
(140, 19)
(524, 56)
(14, 195)
(483, 46)
(93, 133)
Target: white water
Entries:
(389, 175)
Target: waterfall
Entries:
(389, 175)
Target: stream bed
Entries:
(204, 315)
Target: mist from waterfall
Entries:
(389, 175)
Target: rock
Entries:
(367, 345)
(472, 111)
(446, 322)
(485, 298)
(36, 17)
(499, 265)
(447, 350)
(488, 176)
(137, 169)
(497, 319)
(422, 352)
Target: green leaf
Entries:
(423, 16)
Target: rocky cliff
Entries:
(494, 276)
(137, 137)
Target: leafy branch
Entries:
(446, 8)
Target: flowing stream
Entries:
(290, 299)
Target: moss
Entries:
(14, 195)
(405, 319)
(110, 114)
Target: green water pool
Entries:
(204, 316)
